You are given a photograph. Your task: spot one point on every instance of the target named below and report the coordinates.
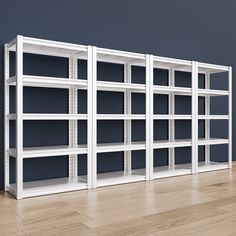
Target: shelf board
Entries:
(118, 177)
(160, 89)
(40, 116)
(212, 166)
(184, 169)
(176, 143)
(172, 117)
(50, 186)
(189, 117)
(212, 141)
(165, 171)
(49, 47)
(47, 151)
(121, 117)
(120, 86)
(120, 147)
(49, 82)
(212, 92)
(213, 117)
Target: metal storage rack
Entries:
(93, 55)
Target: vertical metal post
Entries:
(94, 78)
(194, 117)
(6, 118)
(19, 117)
(149, 117)
(73, 126)
(92, 117)
(207, 121)
(171, 121)
(127, 123)
(230, 116)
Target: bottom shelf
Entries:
(165, 171)
(50, 186)
(184, 169)
(211, 166)
(60, 185)
(119, 177)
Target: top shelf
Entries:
(61, 49)
(66, 83)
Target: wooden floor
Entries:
(204, 204)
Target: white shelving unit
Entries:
(92, 85)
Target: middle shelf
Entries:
(40, 116)
(46, 151)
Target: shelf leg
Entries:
(127, 123)
(6, 119)
(73, 126)
(171, 151)
(230, 117)
(149, 117)
(19, 118)
(194, 117)
(207, 121)
(92, 119)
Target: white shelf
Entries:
(51, 186)
(47, 151)
(118, 177)
(120, 87)
(165, 171)
(189, 117)
(40, 116)
(212, 166)
(160, 89)
(120, 117)
(169, 144)
(49, 82)
(213, 117)
(119, 147)
(212, 92)
(92, 85)
(185, 91)
(172, 117)
(212, 141)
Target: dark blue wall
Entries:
(195, 30)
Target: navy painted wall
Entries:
(195, 30)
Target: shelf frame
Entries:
(73, 83)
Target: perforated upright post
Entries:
(73, 124)
(92, 118)
(194, 117)
(230, 117)
(19, 117)
(127, 123)
(207, 121)
(6, 118)
(171, 151)
(149, 117)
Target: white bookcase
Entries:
(92, 85)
